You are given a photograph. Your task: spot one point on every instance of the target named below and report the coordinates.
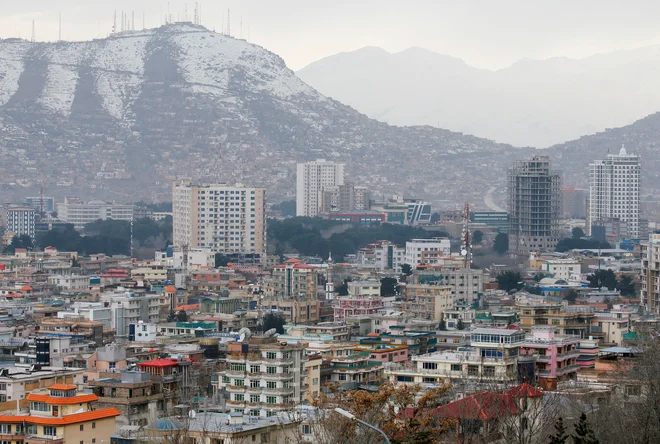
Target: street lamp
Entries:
(352, 417)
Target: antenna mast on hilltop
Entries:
(34, 36)
(114, 23)
(60, 33)
(228, 22)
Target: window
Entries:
(255, 398)
(239, 382)
(255, 369)
(271, 355)
(50, 431)
(271, 384)
(271, 400)
(342, 377)
(254, 383)
(489, 370)
(430, 366)
(473, 370)
(404, 378)
(239, 397)
(456, 367)
(306, 429)
(82, 427)
(265, 437)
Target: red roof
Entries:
(170, 289)
(53, 400)
(525, 390)
(64, 420)
(162, 362)
(293, 261)
(62, 387)
(26, 288)
(187, 307)
(481, 406)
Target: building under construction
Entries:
(534, 206)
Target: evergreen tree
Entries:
(583, 433)
(560, 435)
(442, 326)
(460, 325)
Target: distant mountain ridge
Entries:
(531, 103)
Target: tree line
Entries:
(319, 237)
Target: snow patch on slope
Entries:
(63, 60)
(208, 61)
(119, 63)
(11, 68)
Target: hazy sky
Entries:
(487, 33)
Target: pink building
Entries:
(345, 306)
(363, 299)
(557, 355)
(385, 353)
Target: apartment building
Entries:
(565, 269)
(133, 394)
(491, 359)
(416, 247)
(20, 220)
(130, 308)
(219, 217)
(466, 283)
(534, 206)
(556, 355)
(60, 414)
(312, 179)
(568, 319)
(16, 384)
(382, 255)
(293, 279)
(611, 326)
(74, 211)
(344, 198)
(428, 301)
(363, 299)
(264, 376)
(650, 280)
(614, 185)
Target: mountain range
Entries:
(531, 103)
(119, 118)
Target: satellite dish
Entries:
(463, 252)
(192, 414)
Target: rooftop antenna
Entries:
(169, 14)
(228, 22)
(34, 37)
(199, 14)
(133, 22)
(195, 15)
(114, 23)
(60, 33)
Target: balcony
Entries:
(278, 391)
(18, 436)
(36, 439)
(278, 376)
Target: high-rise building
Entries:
(343, 198)
(311, 180)
(534, 206)
(614, 191)
(20, 220)
(221, 218)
